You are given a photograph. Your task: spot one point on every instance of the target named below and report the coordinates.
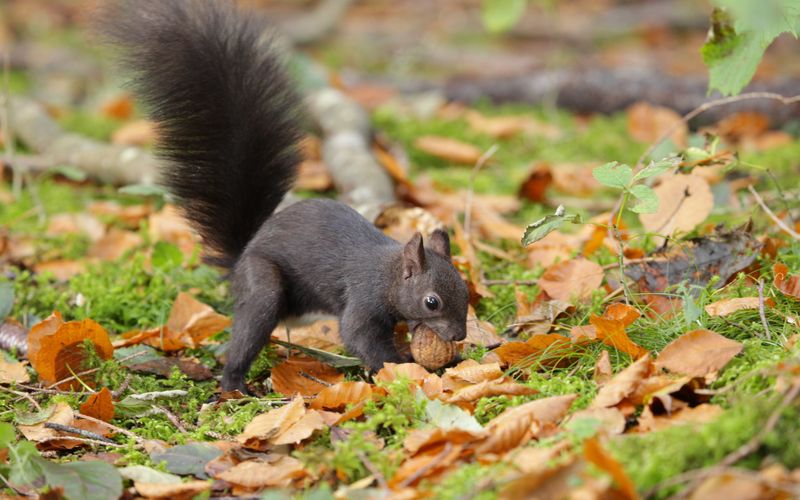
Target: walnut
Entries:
(429, 350)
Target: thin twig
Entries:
(315, 379)
(76, 431)
(152, 396)
(373, 470)
(23, 395)
(791, 232)
(170, 416)
(116, 393)
(471, 190)
(761, 309)
(110, 426)
(686, 195)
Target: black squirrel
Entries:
(228, 128)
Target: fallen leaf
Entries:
(254, 475)
(612, 333)
(292, 376)
(195, 319)
(648, 123)
(549, 349)
(420, 440)
(170, 226)
(470, 372)
(77, 223)
(177, 491)
(12, 371)
(400, 223)
(517, 424)
(392, 371)
(498, 387)
(99, 405)
(622, 384)
(434, 461)
(788, 284)
(114, 245)
(448, 149)
(573, 279)
(56, 350)
(337, 397)
(701, 414)
(62, 270)
(602, 369)
(684, 201)
(535, 186)
(62, 414)
(735, 487)
(595, 454)
(612, 421)
(187, 458)
(288, 424)
(726, 307)
(698, 353)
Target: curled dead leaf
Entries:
(572, 279)
(301, 375)
(788, 284)
(337, 397)
(623, 384)
(99, 405)
(254, 475)
(698, 353)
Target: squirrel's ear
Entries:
(413, 256)
(439, 242)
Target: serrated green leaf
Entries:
(546, 225)
(647, 201)
(656, 168)
(613, 174)
(501, 15)
(732, 63)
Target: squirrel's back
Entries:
(225, 109)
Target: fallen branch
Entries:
(78, 432)
(772, 215)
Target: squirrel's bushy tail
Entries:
(224, 107)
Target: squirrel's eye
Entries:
(431, 302)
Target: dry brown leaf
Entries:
(168, 225)
(448, 149)
(788, 284)
(12, 371)
(114, 245)
(392, 371)
(623, 384)
(536, 317)
(498, 387)
(288, 424)
(492, 225)
(575, 179)
(419, 440)
(434, 461)
(172, 491)
(595, 454)
(742, 125)
(549, 349)
(99, 405)
(550, 481)
(534, 188)
(684, 201)
(336, 397)
(480, 332)
(602, 369)
(78, 223)
(322, 334)
(612, 421)
(647, 123)
(610, 329)
(62, 414)
(62, 270)
(288, 379)
(701, 414)
(736, 487)
(196, 321)
(573, 279)
(119, 108)
(470, 372)
(698, 353)
(55, 348)
(400, 223)
(519, 423)
(135, 133)
(254, 475)
(725, 307)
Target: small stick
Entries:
(315, 379)
(122, 387)
(171, 417)
(23, 395)
(152, 396)
(75, 430)
(772, 216)
(470, 192)
(761, 309)
(373, 470)
(110, 426)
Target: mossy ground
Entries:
(127, 295)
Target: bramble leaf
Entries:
(647, 201)
(547, 224)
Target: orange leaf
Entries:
(448, 149)
(788, 284)
(336, 397)
(195, 319)
(535, 186)
(612, 333)
(575, 278)
(497, 387)
(56, 347)
(392, 371)
(99, 405)
(291, 376)
(420, 440)
(698, 353)
(595, 454)
(622, 312)
(290, 423)
(548, 349)
(119, 108)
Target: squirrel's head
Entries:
(430, 290)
